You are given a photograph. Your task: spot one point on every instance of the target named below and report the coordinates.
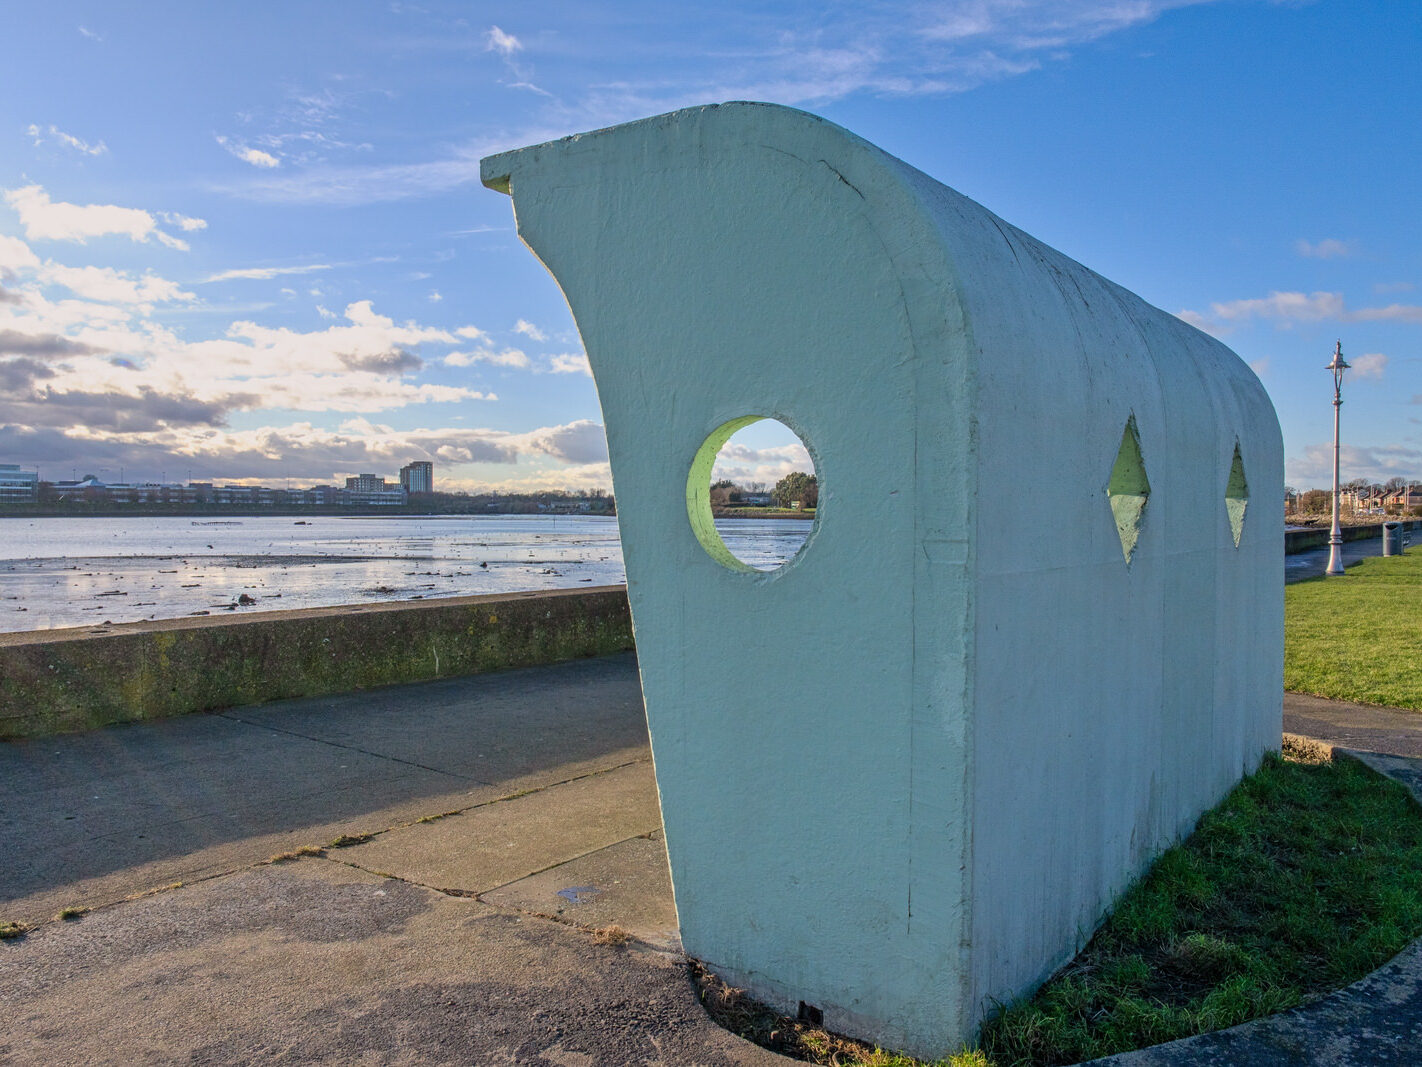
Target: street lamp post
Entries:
(1335, 540)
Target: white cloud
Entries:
(1369, 365)
(506, 44)
(52, 220)
(743, 464)
(472, 333)
(1328, 248)
(529, 330)
(15, 255)
(247, 154)
(184, 222)
(98, 148)
(569, 363)
(582, 441)
(265, 273)
(508, 357)
(1286, 308)
(1391, 313)
(1312, 307)
(107, 285)
(435, 296)
(1376, 463)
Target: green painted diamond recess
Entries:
(1128, 489)
(1236, 496)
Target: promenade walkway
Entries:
(1312, 563)
(488, 827)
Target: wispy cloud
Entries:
(247, 154)
(84, 31)
(265, 273)
(506, 44)
(1286, 308)
(1328, 248)
(58, 136)
(569, 363)
(506, 357)
(53, 220)
(1369, 365)
(529, 330)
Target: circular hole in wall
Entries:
(752, 494)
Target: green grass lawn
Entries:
(1358, 636)
(1307, 877)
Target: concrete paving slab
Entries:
(316, 962)
(1362, 726)
(494, 727)
(494, 844)
(626, 885)
(88, 819)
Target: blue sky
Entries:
(249, 241)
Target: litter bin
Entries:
(1393, 539)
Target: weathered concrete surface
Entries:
(886, 816)
(319, 962)
(87, 819)
(325, 960)
(60, 680)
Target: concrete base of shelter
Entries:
(496, 823)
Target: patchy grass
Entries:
(10, 931)
(71, 914)
(610, 935)
(347, 840)
(297, 853)
(1307, 877)
(1358, 635)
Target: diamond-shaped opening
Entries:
(1128, 489)
(1236, 496)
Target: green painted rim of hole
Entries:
(698, 495)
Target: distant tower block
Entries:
(1034, 632)
(417, 477)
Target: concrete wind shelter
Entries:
(1037, 627)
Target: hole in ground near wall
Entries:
(752, 493)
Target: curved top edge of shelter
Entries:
(912, 206)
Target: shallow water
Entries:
(78, 571)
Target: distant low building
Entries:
(418, 477)
(366, 483)
(18, 486)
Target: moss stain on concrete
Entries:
(63, 680)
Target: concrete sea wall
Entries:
(52, 681)
(1303, 540)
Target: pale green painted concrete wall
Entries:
(910, 770)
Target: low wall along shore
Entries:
(52, 681)
(1317, 536)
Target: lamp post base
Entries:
(1335, 556)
